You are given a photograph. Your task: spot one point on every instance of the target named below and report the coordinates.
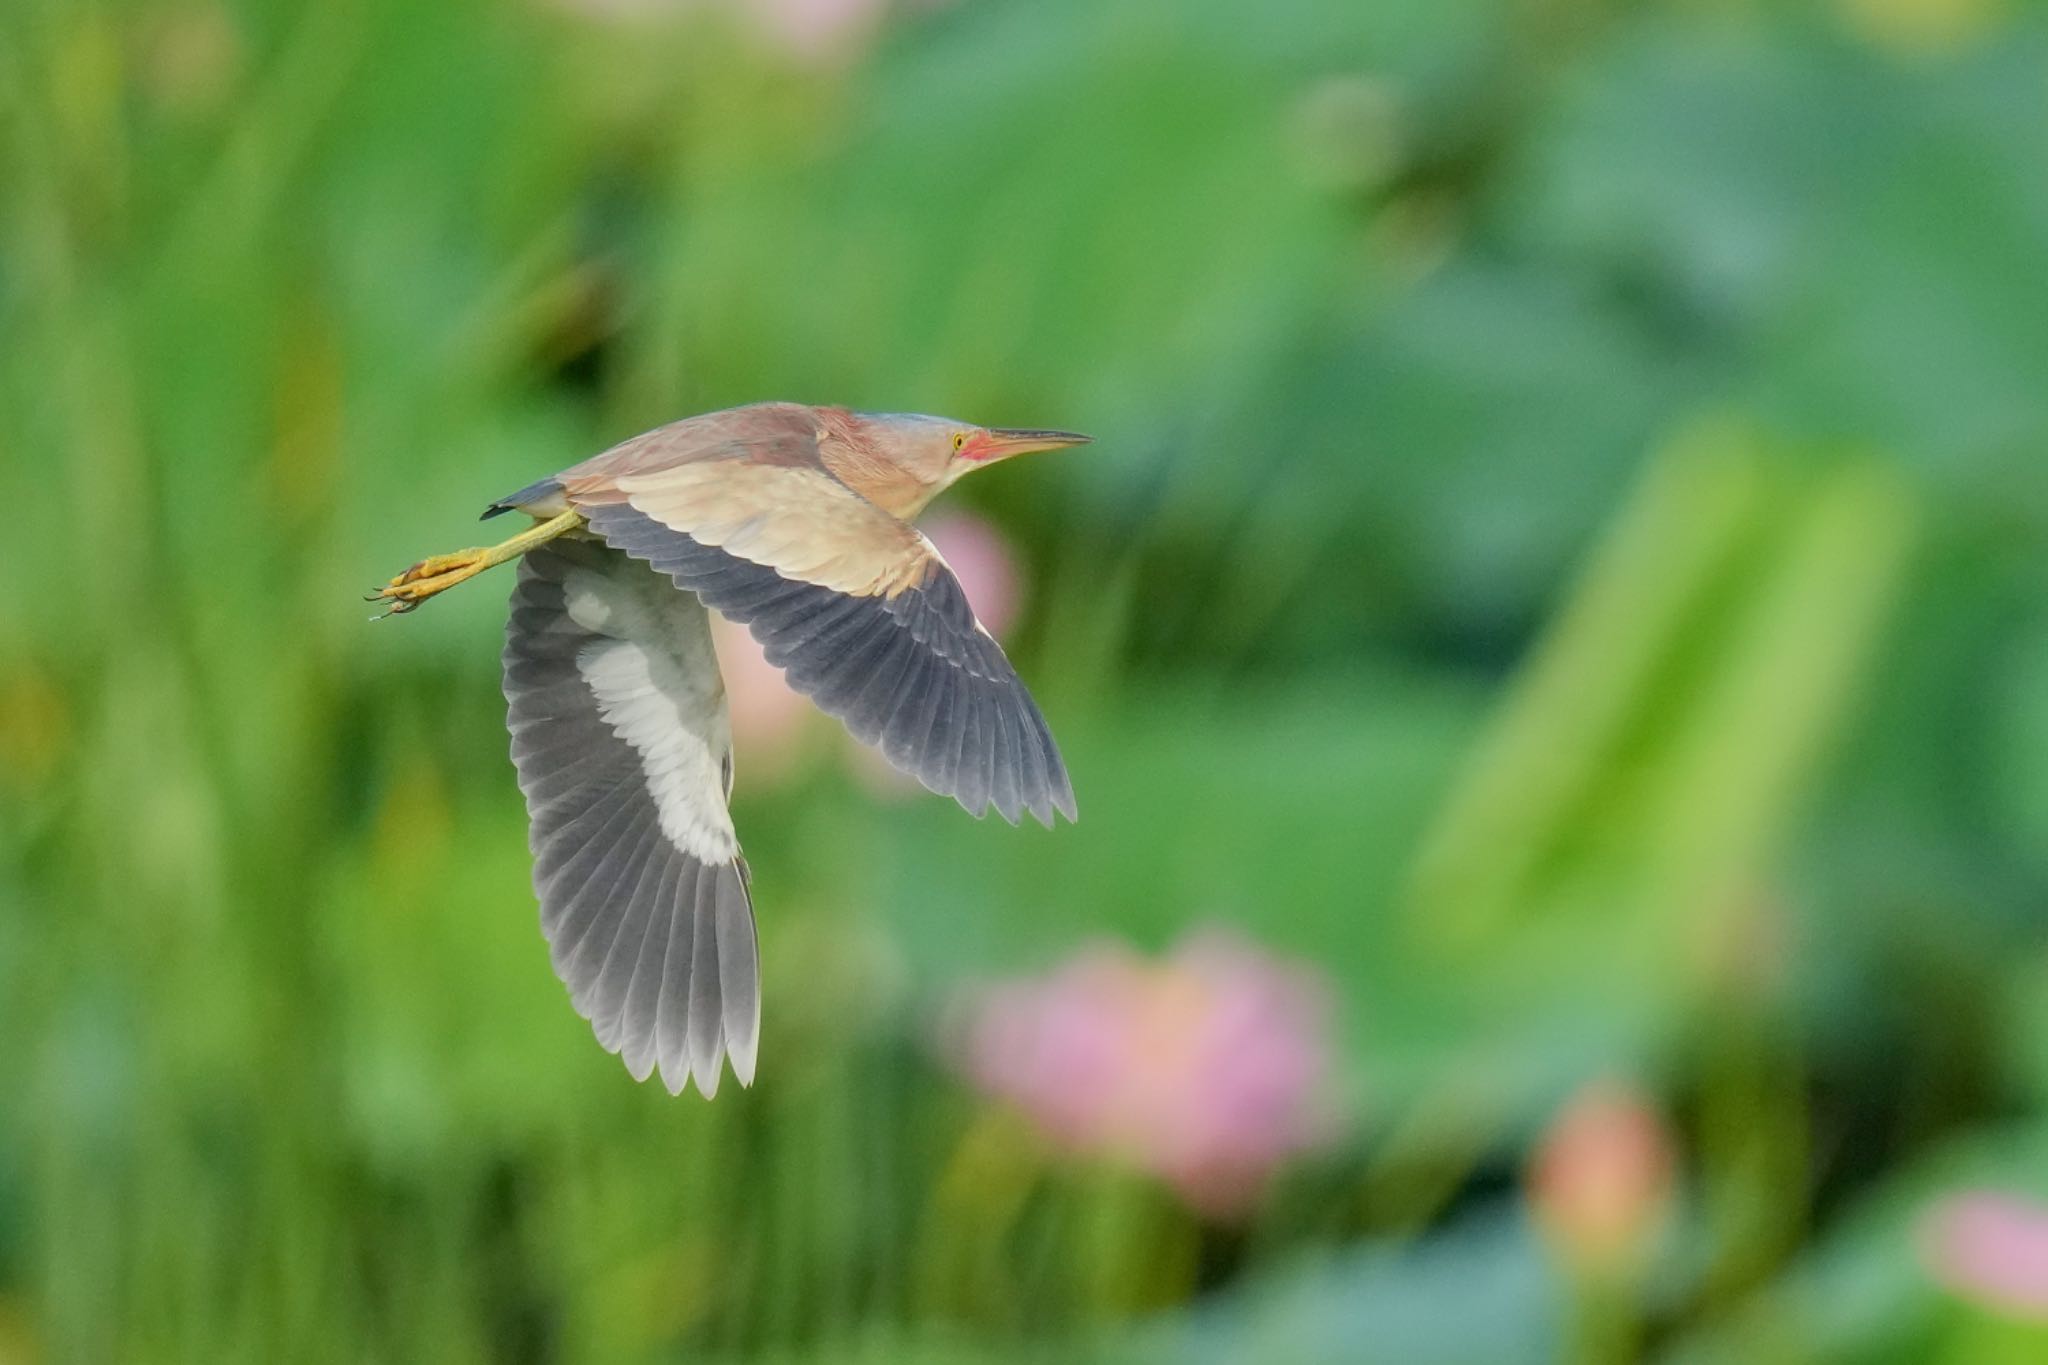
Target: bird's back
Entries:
(771, 434)
(759, 433)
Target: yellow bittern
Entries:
(794, 521)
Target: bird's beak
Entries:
(1000, 443)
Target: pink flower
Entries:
(987, 569)
(818, 31)
(1601, 1181)
(1991, 1249)
(985, 565)
(814, 32)
(1209, 1069)
(770, 720)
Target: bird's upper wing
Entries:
(858, 610)
(624, 753)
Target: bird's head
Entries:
(935, 451)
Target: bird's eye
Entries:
(959, 439)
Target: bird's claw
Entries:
(432, 575)
(398, 606)
(457, 565)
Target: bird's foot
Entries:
(432, 575)
(438, 573)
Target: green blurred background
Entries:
(1561, 568)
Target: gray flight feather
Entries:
(913, 674)
(623, 752)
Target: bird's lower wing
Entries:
(887, 642)
(620, 736)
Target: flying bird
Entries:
(794, 521)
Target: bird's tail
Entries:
(532, 493)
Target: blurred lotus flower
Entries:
(985, 565)
(1601, 1182)
(1209, 1069)
(818, 31)
(815, 32)
(769, 719)
(1992, 1250)
(987, 569)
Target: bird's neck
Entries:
(854, 460)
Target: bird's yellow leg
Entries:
(438, 573)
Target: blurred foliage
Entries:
(1562, 555)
